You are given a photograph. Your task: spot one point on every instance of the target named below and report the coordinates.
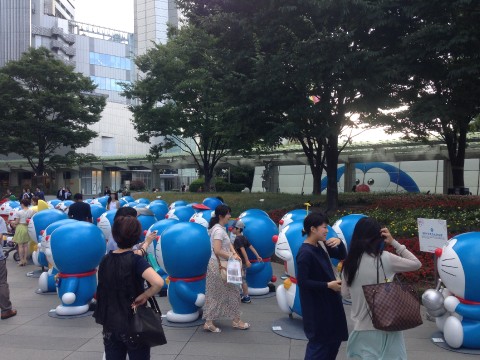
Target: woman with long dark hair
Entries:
(360, 268)
(121, 277)
(324, 320)
(113, 203)
(222, 300)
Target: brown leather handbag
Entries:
(392, 306)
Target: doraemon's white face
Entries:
(451, 270)
(284, 252)
(48, 250)
(284, 221)
(105, 226)
(62, 207)
(375, 180)
(199, 219)
(5, 209)
(171, 215)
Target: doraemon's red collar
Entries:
(263, 260)
(79, 275)
(190, 279)
(467, 302)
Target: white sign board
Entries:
(432, 234)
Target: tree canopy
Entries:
(438, 74)
(44, 106)
(180, 99)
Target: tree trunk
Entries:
(331, 155)
(456, 144)
(208, 173)
(317, 172)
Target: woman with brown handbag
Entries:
(360, 268)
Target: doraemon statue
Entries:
(46, 282)
(344, 227)
(147, 219)
(457, 264)
(212, 202)
(177, 203)
(181, 213)
(105, 222)
(97, 211)
(159, 209)
(253, 212)
(127, 199)
(184, 251)
(202, 215)
(287, 244)
(142, 201)
(64, 206)
(159, 227)
(159, 201)
(41, 220)
(52, 203)
(102, 201)
(259, 230)
(77, 249)
(291, 216)
(7, 207)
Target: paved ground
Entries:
(33, 335)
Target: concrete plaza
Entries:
(33, 335)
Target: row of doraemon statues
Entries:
(455, 307)
(67, 244)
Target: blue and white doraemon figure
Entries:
(159, 209)
(46, 281)
(253, 212)
(458, 267)
(159, 227)
(345, 226)
(146, 219)
(212, 202)
(77, 249)
(102, 201)
(287, 244)
(41, 220)
(105, 223)
(202, 215)
(97, 211)
(259, 230)
(292, 216)
(184, 251)
(177, 203)
(64, 205)
(376, 177)
(180, 213)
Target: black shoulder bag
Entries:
(145, 326)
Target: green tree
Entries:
(438, 74)
(44, 106)
(309, 66)
(180, 99)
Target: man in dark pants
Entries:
(79, 210)
(5, 304)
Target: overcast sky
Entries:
(115, 14)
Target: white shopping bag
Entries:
(234, 271)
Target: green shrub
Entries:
(195, 185)
(220, 186)
(137, 185)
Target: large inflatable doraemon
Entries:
(102, 201)
(181, 213)
(287, 244)
(457, 264)
(41, 220)
(377, 176)
(97, 211)
(184, 251)
(64, 205)
(46, 281)
(7, 207)
(259, 230)
(53, 203)
(77, 249)
(142, 201)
